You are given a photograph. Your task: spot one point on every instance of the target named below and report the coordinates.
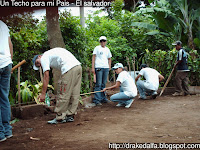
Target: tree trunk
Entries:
(190, 40)
(54, 37)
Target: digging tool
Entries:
(91, 92)
(167, 82)
(19, 64)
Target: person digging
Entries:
(69, 82)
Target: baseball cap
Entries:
(102, 38)
(177, 43)
(143, 66)
(118, 65)
(33, 60)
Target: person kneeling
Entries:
(151, 84)
(127, 86)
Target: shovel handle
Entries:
(19, 64)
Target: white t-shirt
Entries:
(60, 59)
(5, 56)
(151, 76)
(102, 55)
(127, 84)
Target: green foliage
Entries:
(164, 61)
(25, 92)
(30, 92)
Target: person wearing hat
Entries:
(6, 55)
(101, 64)
(128, 89)
(181, 78)
(69, 83)
(150, 85)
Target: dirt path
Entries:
(164, 120)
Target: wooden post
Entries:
(133, 63)
(114, 76)
(18, 82)
(128, 65)
(41, 75)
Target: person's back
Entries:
(58, 58)
(150, 85)
(151, 76)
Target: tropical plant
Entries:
(25, 92)
(30, 92)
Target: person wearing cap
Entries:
(150, 85)
(69, 83)
(181, 78)
(128, 89)
(6, 55)
(101, 64)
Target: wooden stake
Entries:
(41, 75)
(18, 82)
(167, 82)
(128, 65)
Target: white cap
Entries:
(118, 65)
(102, 38)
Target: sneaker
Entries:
(144, 98)
(8, 134)
(3, 139)
(98, 104)
(129, 105)
(106, 101)
(69, 119)
(55, 121)
(154, 95)
(178, 94)
(120, 105)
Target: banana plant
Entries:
(30, 92)
(25, 92)
(37, 89)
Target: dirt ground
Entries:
(163, 120)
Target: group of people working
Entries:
(70, 80)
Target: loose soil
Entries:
(163, 120)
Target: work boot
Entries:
(178, 94)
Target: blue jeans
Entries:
(101, 79)
(143, 90)
(5, 112)
(121, 98)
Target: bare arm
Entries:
(112, 87)
(45, 85)
(93, 61)
(109, 62)
(160, 77)
(139, 75)
(11, 47)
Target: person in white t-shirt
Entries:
(69, 83)
(150, 84)
(128, 89)
(101, 63)
(6, 55)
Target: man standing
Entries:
(127, 86)
(101, 63)
(6, 55)
(181, 78)
(69, 83)
(151, 84)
